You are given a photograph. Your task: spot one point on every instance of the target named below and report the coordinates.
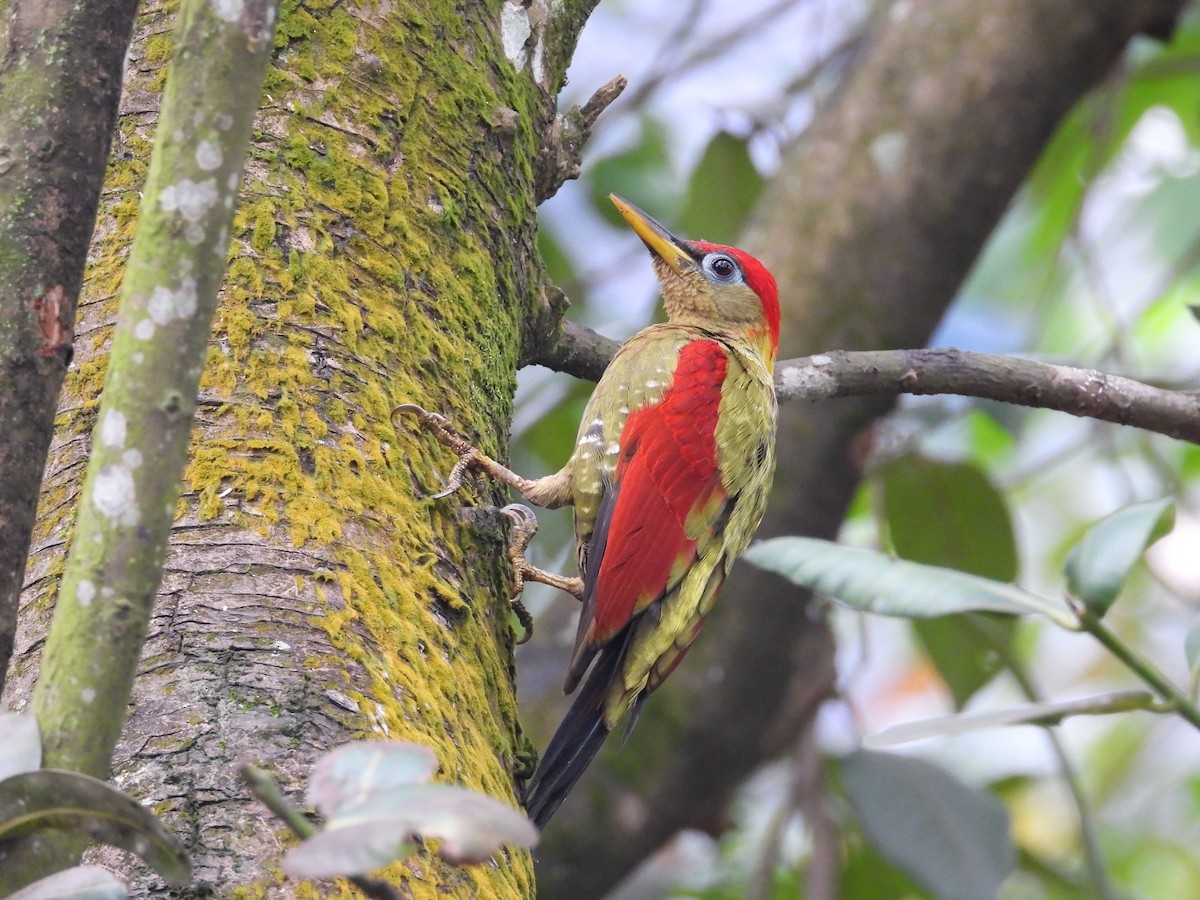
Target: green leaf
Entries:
(79, 883)
(20, 745)
(1034, 714)
(948, 514)
(950, 838)
(1098, 565)
(964, 649)
(87, 806)
(471, 826)
(872, 582)
(354, 772)
(721, 192)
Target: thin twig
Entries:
(1142, 667)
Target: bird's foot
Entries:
(524, 523)
(524, 527)
(469, 457)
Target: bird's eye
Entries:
(721, 267)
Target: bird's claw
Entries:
(524, 527)
(439, 426)
(524, 522)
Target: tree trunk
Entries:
(59, 88)
(384, 252)
(875, 219)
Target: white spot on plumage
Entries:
(613, 448)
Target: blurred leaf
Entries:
(350, 848)
(862, 504)
(948, 514)
(558, 264)
(370, 834)
(353, 773)
(873, 582)
(964, 649)
(1192, 786)
(1112, 756)
(1055, 880)
(1168, 319)
(1097, 566)
(991, 441)
(1034, 714)
(1189, 462)
(1094, 132)
(20, 744)
(79, 883)
(551, 436)
(867, 875)
(87, 806)
(1153, 865)
(642, 174)
(721, 192)
(951, 838)
(1191, 645)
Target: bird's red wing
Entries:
(667, 469)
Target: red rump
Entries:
(760, 280)
(668, 466)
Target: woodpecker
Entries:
(669, 480)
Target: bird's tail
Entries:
(578, 738)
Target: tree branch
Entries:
(875, 373)
(1080, 392)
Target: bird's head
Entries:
(719, 288)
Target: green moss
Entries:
(157, 48)
(262, 229)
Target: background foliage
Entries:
(1096, 264)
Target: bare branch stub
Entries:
(576, 350)
(562, 150)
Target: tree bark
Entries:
(873, 222)
(60, 80)
(384, 252)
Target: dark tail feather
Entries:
(578, 738)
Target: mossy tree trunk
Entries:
(384, 252)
